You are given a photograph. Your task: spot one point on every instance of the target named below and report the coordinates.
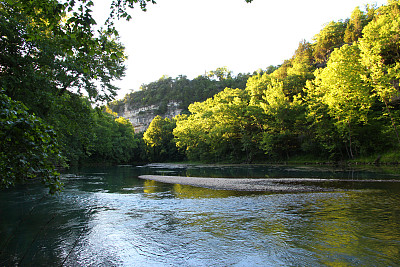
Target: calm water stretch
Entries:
(109, 217)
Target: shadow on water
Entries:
(108, 217)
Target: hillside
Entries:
(169, 97)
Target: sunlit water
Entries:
(109, 217)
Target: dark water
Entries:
(109, 217)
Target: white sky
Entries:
(190, 37)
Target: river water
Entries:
(109, 217)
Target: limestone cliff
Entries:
(142, 117)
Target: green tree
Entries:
(52, 49)
(221, 73)
(72, 118)
(222, 128)
(329, 38)
(300, 71)
(358, 20)
(380, 53)
(114, 139)
(347, 96)
(354, 26)
(160, 140)
(282, 123)
(28, 147)
(256, 86)
(191, 133)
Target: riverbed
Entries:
(109, 217)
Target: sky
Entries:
(191, 37)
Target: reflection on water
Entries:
(110, 218)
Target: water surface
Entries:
(109, 217)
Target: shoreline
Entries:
(288, 185)
(241, 184)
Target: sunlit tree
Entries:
(329, 38)
(341, 88)
(380, 53)
(160, 140)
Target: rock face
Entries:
(142, 117)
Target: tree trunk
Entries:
(350, 149)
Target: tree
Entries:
(355, 26)
(114, 139)
(282, 123)
(72, 117)
(222, 128)
(191, 134)
(347, 96)
(124, 141)
(52, 49)
(302, 61)
(160, 140)
(28, 147)
(221, 73)
(380, 53)
(301, 70)
(329, 38)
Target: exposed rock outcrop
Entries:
(142, 117)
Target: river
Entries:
(109, 217)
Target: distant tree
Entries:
(301, 69)
(354, 26)
(221, 73)
(270, 69)
(160, 140)
(256, 86)
(114, 139)
(329, 38)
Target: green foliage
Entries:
(90, 134)
(357, 22)
(220, 74)
(221, 128)
(329, 38)
(160, 140)
(348, 99)
(71, 117)
(49, 49)
(28, 147)
(380, 53)
(114, 141)
(256, 85)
